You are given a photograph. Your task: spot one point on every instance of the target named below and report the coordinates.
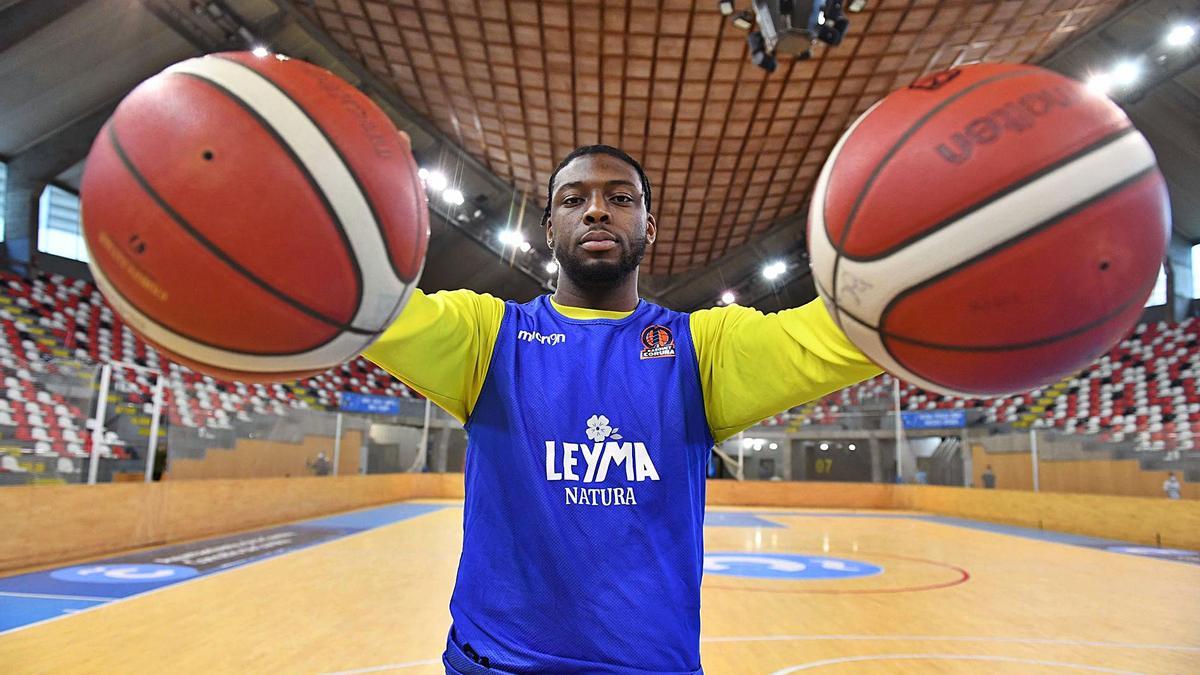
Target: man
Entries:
(989, 478)
(320, 467)
(1171, 486)
(590, 418)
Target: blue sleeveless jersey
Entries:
(583, 521)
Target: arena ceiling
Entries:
(496, 92)
(730, 149)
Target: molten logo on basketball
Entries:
(1019, 115)
(935, 81)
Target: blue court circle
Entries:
(786, 566)
(124, 573)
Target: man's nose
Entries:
(596, 212)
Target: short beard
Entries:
(601, 274)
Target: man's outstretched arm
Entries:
(754, 365)
(441, 346)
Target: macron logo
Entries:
(552, 339)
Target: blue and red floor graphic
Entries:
(29, 598)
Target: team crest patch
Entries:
(657, 342)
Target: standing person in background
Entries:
(989, 478)
(320, 467)
(1171, 486)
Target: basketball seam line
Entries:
(220, 255)
(113, 290)
(916, 126)
(360, 283)
(987, 253)
(996, 196)
(337, 151)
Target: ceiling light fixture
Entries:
(744, 19)
(774, 270)
(453, 196)
(1126, 73)
(436, 181)
(1180, 35)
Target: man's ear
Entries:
(651, 229)
(549, 233)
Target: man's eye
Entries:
(572, 201)
(623, 199)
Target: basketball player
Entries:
(590, 417)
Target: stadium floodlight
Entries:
(726, 7)
(552, 267)
(436, 181)
(260, 51)
(423, 173)
(852, 446)
(774, 270)
(454, 197)
(824, 446)
(774, 446)
(1181, 35)
(1100, 83)
(524, 246)
(727, 298)
(758, 52)
(511, 238)
(1126, 73)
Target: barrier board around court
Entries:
(59, 523)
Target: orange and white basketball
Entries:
(257, 218)
(988, 229)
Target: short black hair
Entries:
(598, 149)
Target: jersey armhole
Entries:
(491, 367)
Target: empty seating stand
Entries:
(55, 328)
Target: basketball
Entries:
(988, 229)
(256, 218)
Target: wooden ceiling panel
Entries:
(729, 149)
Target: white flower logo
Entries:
(598, 429)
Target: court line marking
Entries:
(950, 657)
(964, 576)
(882, 638)
(1086, 541)
(1065, 642)
(51, 596)
(102, 605)
(390, 666)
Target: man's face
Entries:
(598, 227)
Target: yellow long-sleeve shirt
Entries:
(752, 365)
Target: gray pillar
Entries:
(799, 459)
(968, 464)
(876, 459)
(21, 194)
(437, 463)
(1179, 278)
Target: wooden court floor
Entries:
(948, 599)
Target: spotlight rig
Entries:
(790, 27)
